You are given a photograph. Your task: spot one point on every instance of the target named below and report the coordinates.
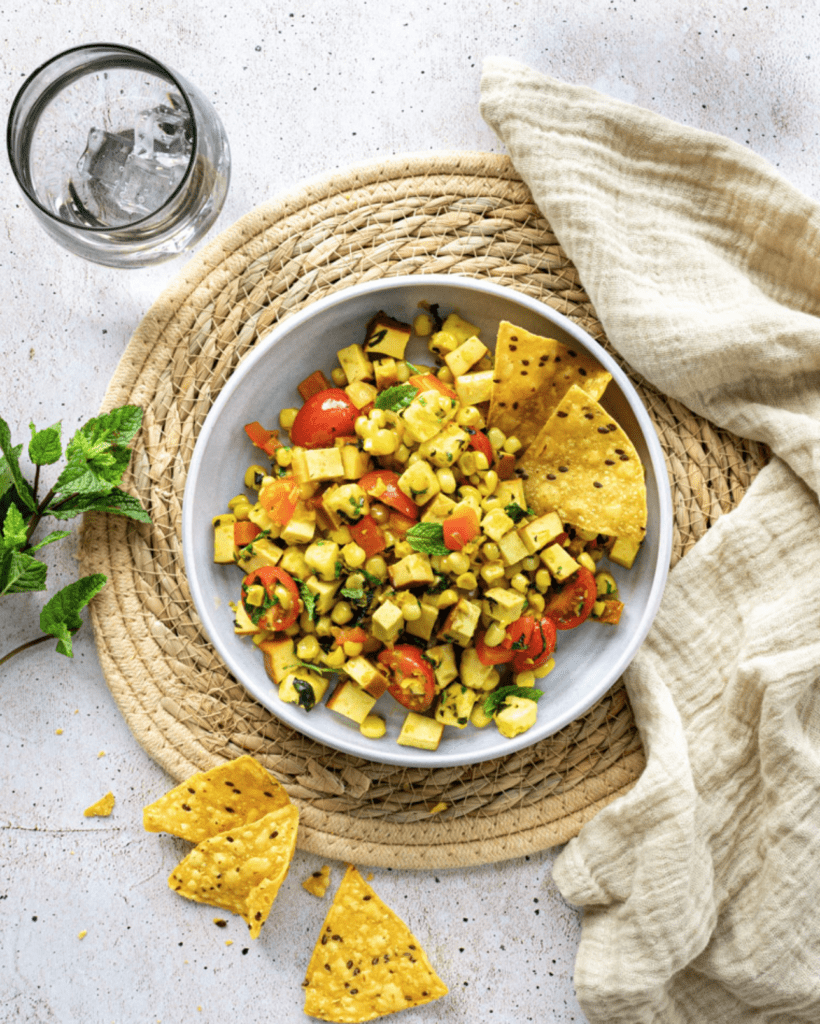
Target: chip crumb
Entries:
(220, 922)
(102, 808)
(440, 806)
(228, 942)
(101, 754)
(82, 934)
(370, 876)
(58, 732)
(318, 882)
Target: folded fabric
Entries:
(703, 264)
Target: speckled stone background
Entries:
(302, 88)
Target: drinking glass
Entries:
(121, 159)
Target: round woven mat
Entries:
(457, 213)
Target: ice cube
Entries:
(146, 184)
(164, 132)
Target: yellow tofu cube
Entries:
(321, 557)
(504, 605)
(473, 388)
(355, 363)
(355, 463)
(242, 624)
(257, 514)
(475, 674)
(302, 526)
(348, 502)
(455, 704)
(323, 464)
(444, 657)
(516, 716)
(386, 371)
(459, 328)
(224, 548)
(624, 551)
(366, 675)
(280, 658)
(421, 732)
(445, 448)
(387, 622)
(410, 571)
(419, 482)
(325, 591)
(559, 561)
(511, 492)
(541, 531)
(495, 524)
(303, 687)
(293, 561)
(423, 626)
(428, 414)
(438, 509)
(512, 548)
(468, 353)
(360, 393)
(386, 338)
(460, 624)
(258, 554)
(350, 700)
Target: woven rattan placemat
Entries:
(456, 213)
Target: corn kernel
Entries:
(339, 377)
(377, 566)
(497, 437)
(373, 727)
(324, 626)
(495, 634)
(492, 572)
(511, 445)
(586, 561)
(352, 649)
(402, 453)
(544, 670)
(334, 658)
(525, 678)
(423, 324)
(251, 475)
(491, 552)
(466, 581)
(286, 418)
(284, 457)
(411, 611)
(446, 480)
(520, 582)
(543, 580)
(342, 613)
(447, 597)
(467, 463)
(445, 375)
(354, 555)
(308, 649)
(482, 463)
(402, 373)
(456, 563)
(468, 416)
(537, 602)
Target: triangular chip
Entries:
(583, 466)
(102, 808)
(234, 793)
(241, 870)
(531, 375)
(367, 963)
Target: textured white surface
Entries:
(302, 88)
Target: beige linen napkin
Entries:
(701, 886)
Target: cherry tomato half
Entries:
(244, 532)
(517, 640)
(368, 535)
(324, 417)
(460, 529)
(413, 680)
(279, 499)
(481, 443)
(274, 615)
(383, 485)
(539, 648)
(572, 605)
(267, 440)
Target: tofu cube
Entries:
(541, 531)
(559, 561)
(438, 509)
(223, 539)
(325, 591)
(355, 363)
(455, 704)
(386, 371)
(419, 482)
(321, 557)
(348, 503)
(279, 658)
(387, 622)
(355, 463)
(423, 626)
(257, 514)
(495, 524)
(511, 492)
(473, 388)
(476, 675)
(516, 716)
(442, 342)
(360, 393)
(386, 338)
(427, 414)
(468, 353)
(459, 328)
(445, 448)
(512, 548)
(242, 624)
(350, 700)
(293, 561)
(367, 676)
(302, 526)
(323, 464)
(446, 670)
(460, 624)
(302, 687)
(258, 554)
(624, 551)
(504, 605)
(412, 570)
(421, 732)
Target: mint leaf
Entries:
(374, 580)
(396, 398)
(316, 668)
(117, 502)
(113, 429)
(427, 538)
(45, 447)
(353, 593)
(308, 598)
(50, 538)
(10, 467)
(21, 573)
(60, 616)
(15, 529)
(97, 470)
(515, 512)
(307, 696)
(499, 697)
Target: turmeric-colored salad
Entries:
(399, 544)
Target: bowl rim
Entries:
(392, 753)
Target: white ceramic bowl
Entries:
(588, 660)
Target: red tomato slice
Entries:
(540, 647)
(324, 417)
(410, 673)
(368, 535)
(244, 532)
(572, 605)
(274, 616)
(429, 382)
(354, 635)
(499, 655)
(479, 440)
(279, 498)
(267, 440)
(460, 530)
(518, 638)
(383, 485)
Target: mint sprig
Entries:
(428, 538)
(96, 458)
(396, 398)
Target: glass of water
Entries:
(121, 159)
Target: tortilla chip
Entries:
(241, 870)
(318, 882)
(235, 793)
(583, 466)
(367, 963)
(531, 376)
(102, 808)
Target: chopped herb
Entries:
(516, 513)
(315, 668)
(353, 593)
(396, 398)
(340, 568)
(441, 584)
(308, 598)
(370, 577)
(427, 538)
(415, 370)
(307, 698)
(498, 698)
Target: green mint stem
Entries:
(38, 515)
(31, 643)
